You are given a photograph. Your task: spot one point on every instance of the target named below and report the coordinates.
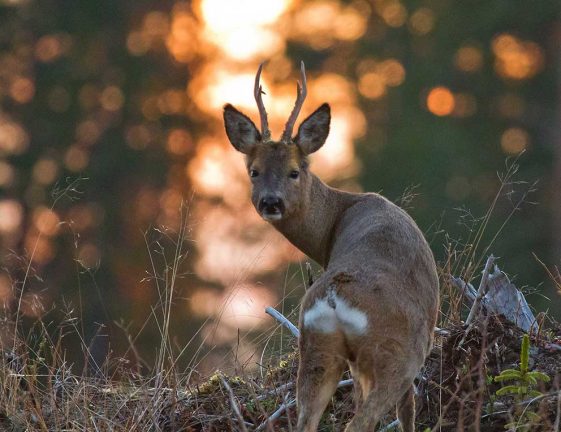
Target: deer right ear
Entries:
(313, 131)
(241, 131)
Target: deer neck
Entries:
(312, 229)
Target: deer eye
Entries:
(253, 173)
(294, 174)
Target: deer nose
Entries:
(271, 205)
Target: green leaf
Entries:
(525, 353)
(534, 393)
(507, 376)
(531, 380)
(510, 389)
(539, 376)
(516, 371)
(532, 416)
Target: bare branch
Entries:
(283, 320)
(234, 403)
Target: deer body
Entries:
(375, 306)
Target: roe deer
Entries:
(375, 306)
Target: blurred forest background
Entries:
(111, 116)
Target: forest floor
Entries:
(456, 392)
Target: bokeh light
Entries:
(514, 140)
(440, 101)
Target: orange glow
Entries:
(319, 23)
(6, 174)
(236, 243)
(112, 98)
(440, 101)
(40, 247)
(392, 12)
(241, 29)
(214, 86)
(244, 306)
(22, 90)
(172, 102)
(179, 141)
(156, 24)
(392, 72)
(422, 21)
(239, 307)
(217, 171)
(223, 16)
(514, 140)
(88, 132)
(46, 221)
(203, 303)
(372, 85)
(183, 39)
(13, 138)
(76, 158)
(45, 171)
(138, 43)
(336, 159)
(314, 23)
(49, 48)
(516, 59)
(246, 43)
(11, 216)
(350, 24)
(469, 59)
(170, 203)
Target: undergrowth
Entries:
(457, 389)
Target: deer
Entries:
(374, 307)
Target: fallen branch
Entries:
(234, 403)
(501, 297)
(481, 292)
(283, 320)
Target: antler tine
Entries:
(301, 92)
(257, 92)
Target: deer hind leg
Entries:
(385, 380)
(406, 410)
(321, 367)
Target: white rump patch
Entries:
(324, 318)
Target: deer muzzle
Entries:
(271, 208)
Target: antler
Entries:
(301, 92)
(257, 92)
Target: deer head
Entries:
(279, 172)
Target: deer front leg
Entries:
(321, 367)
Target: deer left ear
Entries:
(241, 131)
(313, 131)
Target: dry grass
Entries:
(39, 390)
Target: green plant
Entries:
(522, 388)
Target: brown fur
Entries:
(375, 258)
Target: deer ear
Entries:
(241, 131)
(313, 131)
